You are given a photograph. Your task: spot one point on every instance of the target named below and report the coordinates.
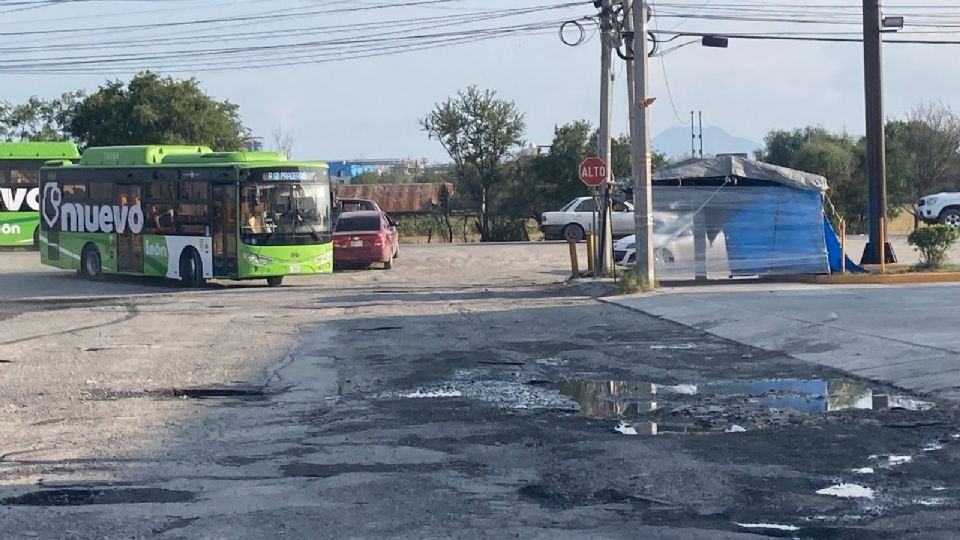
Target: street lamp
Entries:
(892, 24)
(718, 42)
(710, 41)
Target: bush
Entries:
(507, 229)
(630, 282)
(932, 243)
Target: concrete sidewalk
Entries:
(902, 335)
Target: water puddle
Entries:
(673, 347)
(769, 526)
(605, 399)
(847, 491)
(630, 398)
(933, 447)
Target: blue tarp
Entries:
(777, 231)
(833, 250)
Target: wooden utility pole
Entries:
(640, 145)
(875, 251)
(604, 152)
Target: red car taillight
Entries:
(378, 240)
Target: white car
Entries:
(672, 240)
(940, 208)
(575, 220)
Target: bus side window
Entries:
(74, 193)
(160, 219)
(20, 177)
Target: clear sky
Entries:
(368, 107)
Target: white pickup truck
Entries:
(940, 208)
(575, 220)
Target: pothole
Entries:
(84, 497)
(215, 392)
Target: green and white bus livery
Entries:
(186, 212)
(20, 164)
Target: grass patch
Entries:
(941, 269)
(631, 283)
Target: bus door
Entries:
(224, 230)
(129, 245)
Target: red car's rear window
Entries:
(357, 224)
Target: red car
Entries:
(364, 238)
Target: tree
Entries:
(38, 119)
(478, 131)
(283, 142)
(620, 152)
(156, 110)
(836, 156)
(927, 154)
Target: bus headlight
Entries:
(256, 259)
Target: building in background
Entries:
(343, 171)
(254, 144)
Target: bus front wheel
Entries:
(275, 281)
(191, 269)
(91, 266)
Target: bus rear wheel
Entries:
(36, 239)
(191, 269)
(275, 281)
(91, 266)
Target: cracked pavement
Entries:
(448, 398)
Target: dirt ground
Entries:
(467, 393)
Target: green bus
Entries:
(20, 164)
(186, 212)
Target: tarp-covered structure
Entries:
(740, 217)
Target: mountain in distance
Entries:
(675, 142)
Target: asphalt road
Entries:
(464, 394)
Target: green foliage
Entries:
(507, 229)
(156, 110)
(619, 154)
(38, 119)
(631, 282)
(547, 181)
(478, 131)
(922, 153)
(933, 243)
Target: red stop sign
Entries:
(593, 171)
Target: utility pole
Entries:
(701, 134)
(640, 146)
(605, 249)
(693, 135)
(628, 44)
(876, 249)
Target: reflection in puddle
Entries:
(604, 399)
(601, 399)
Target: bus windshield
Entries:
(280, 214)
